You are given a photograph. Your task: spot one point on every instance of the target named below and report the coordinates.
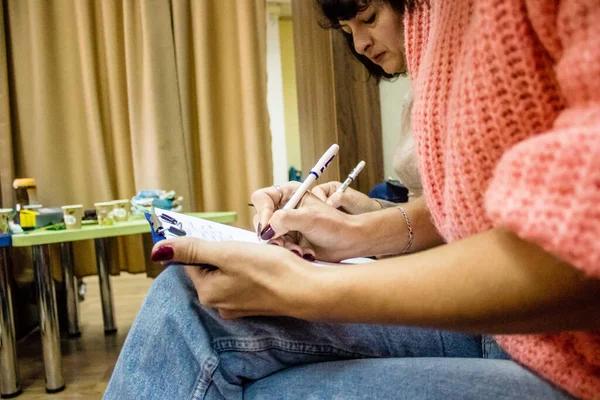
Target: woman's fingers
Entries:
(325, 190)
(267, 200)
(284, 221)
(290, 242)
(353, 202)
(188, 250)
(308, 253)
(337, 200)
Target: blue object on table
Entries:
(389, 190)
(5, 240)
(294, 175)
(147, 200)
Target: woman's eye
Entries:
(371, 19)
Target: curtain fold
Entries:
(6, 145)
(111, 97)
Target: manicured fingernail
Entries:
(164, 253)
(309, 257)
(296, 252)
(267, 233)
(274, 244)
(258, 229)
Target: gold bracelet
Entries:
(410, 230)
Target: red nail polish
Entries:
(296, 252)
(267, 233)
(309, 257)
(164, 253)
(274, 244)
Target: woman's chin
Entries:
(392, 68)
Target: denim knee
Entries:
(172, 290)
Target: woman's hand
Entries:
(316, 229)
(268, 200)
(313, 228)
(351, 201)
(249, 279)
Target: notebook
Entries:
(175, 224)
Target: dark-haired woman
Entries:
(507, 125)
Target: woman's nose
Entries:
(362, 43)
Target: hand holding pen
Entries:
(268, 200)
(325, 233)
(341, 196)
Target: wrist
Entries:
(362, 225)
(357, 243)
(311, 296)
(382, 204)
(382, 233)
(322, 294)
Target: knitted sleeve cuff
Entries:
(547, 190)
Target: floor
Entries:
(89, 360)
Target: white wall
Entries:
(391, 97)
(275, 101)
(290, 93)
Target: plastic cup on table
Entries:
(121, 210)
(104, 212)
(72, 215)
(5, 216)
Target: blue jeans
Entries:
(177, 349)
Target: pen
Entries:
(313, 175)
(351, 177)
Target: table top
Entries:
(40, 237)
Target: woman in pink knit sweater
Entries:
(506, 120)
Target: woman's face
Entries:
(378, 33)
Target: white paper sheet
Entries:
(214, 231)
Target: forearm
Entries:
(493, 282)
(385, 232)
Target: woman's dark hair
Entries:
(334, 11)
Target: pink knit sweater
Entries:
(507, 124)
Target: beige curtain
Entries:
(6, 158)
(108, 97)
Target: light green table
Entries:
(39, 241)
(41, 237)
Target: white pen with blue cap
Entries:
(314, 174)
(351, 177)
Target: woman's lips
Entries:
(378, 58)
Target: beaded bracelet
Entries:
(410, 230)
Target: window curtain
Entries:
(102, 98)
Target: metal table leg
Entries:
(105, 292)
(48, 320)
(66, 253)
(10, 385)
